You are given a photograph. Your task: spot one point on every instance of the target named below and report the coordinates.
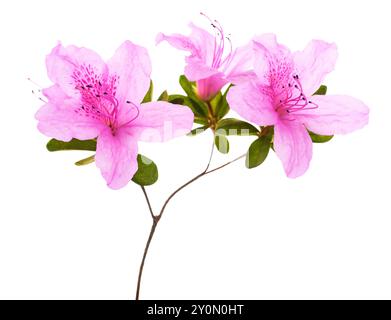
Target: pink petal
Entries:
(161, 121)
(62, 62)
(241, 66)
(269, 41)
(267, 53)
(196, 70)
(58, 119)
(335, 115)
(209, 87)
(200, 44)
(55, 94)
(178, 41)
(204, 42)
(251, 102)
(293, 146)
(133, 66)
(262, 58)
(116, 157)
(314, 63)
(196, 67)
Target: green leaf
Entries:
(74, 144)
(198, 131)
(200, 120)
(147, 173)
(164, 96)
(85, 161)
(199, 109)
(222, 143)
(148, 96)
(223, 107)
(231, 126)
(219, 104)
(321, 91)
(177, 99)
(258, 151)
(215, 102)
(188, 87)
(316, 138)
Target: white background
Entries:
(235, 234)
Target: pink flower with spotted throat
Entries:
(212, 62)
(93, 99)
(282, 96)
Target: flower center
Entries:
(97, 92)
(290, 98)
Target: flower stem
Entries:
(153, 229)
(156, 218)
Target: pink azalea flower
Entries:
(93, 99)
(282, 96)
(208, 63)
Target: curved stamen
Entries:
(228, 59)
(135, 117)
(215, 38)
(295, 100)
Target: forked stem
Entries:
(156, 218)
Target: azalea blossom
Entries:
(212, 62)
(91, 99)
(282, 96)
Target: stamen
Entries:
(135, 117)
(295, 100)
(35, 84)
(219, 45)
(37, 92)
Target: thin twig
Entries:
(210, 157)
(148, 202)
(226, 164)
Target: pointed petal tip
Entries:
(159, 38)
